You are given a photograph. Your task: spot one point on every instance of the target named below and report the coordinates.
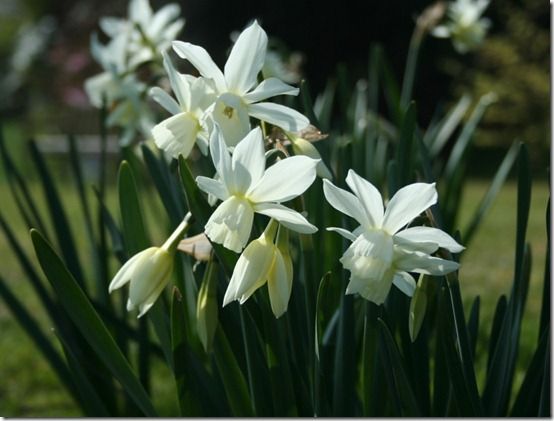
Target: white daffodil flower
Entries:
(148, 272)
(239, 94)
(263, 262)
(112, 57)
(382, 252)
(178, 134)
(150, 32)
(245, 186)
(131, 112)
(465, 25)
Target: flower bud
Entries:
(148, 273)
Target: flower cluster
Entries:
(216, 111)
(133, 42)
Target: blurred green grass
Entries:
(29, 388)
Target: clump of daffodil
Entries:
(465, 26)
(178, 134)
(246, 187)
(382, 252)
(148, 272)
(237, 88)
(263, 261)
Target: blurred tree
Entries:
(514, 63)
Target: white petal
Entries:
(125, 273)
(139, 11)
(214, 187)
(288, 217)
(177, 134)
(345, 202)
(279, 115)
(178, 83)
(284, 180)
(165, 100)
(249, 160)
(427, 247)
(408, 203)
(221, 159)
(112, 26)
(231, 223)
(370, 256)
(405, 283)
(423, 263)
(163, 17)
(149, 274)
(429, 234)
(269, 88)
(246, 59)
(250, 271)
(345, 233)
(232, 116)
(369, 196)
(150, 300)
(441, 31)
(374, 290)
(303, 147)
(279, 286)
(200, 59)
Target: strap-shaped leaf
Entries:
(232, 376)
(492, 192)
(82, 313)
(165, 185)
(90, 401)
(57, 214)
(398, 382)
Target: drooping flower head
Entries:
(264, 260)
(148, 272)
(382, 252)
(237, 88)
(465, 25)
(245, 186)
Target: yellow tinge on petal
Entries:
(150, 276)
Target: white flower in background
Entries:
(239, 94)
(263, 262)
(131, 112)
(276, 66)
(382, 252)
(245, 186)
(465, 25)
(149, 32)
(148, 272)
(112, 57)
(178, 134)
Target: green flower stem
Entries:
(411, 67)
(171, 243)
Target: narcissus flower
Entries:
(465, 25)
(382, 253)
(245, 186)
(149, 31)
(263, 262)
(148, 272)
(178, 134)
(239, 94)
